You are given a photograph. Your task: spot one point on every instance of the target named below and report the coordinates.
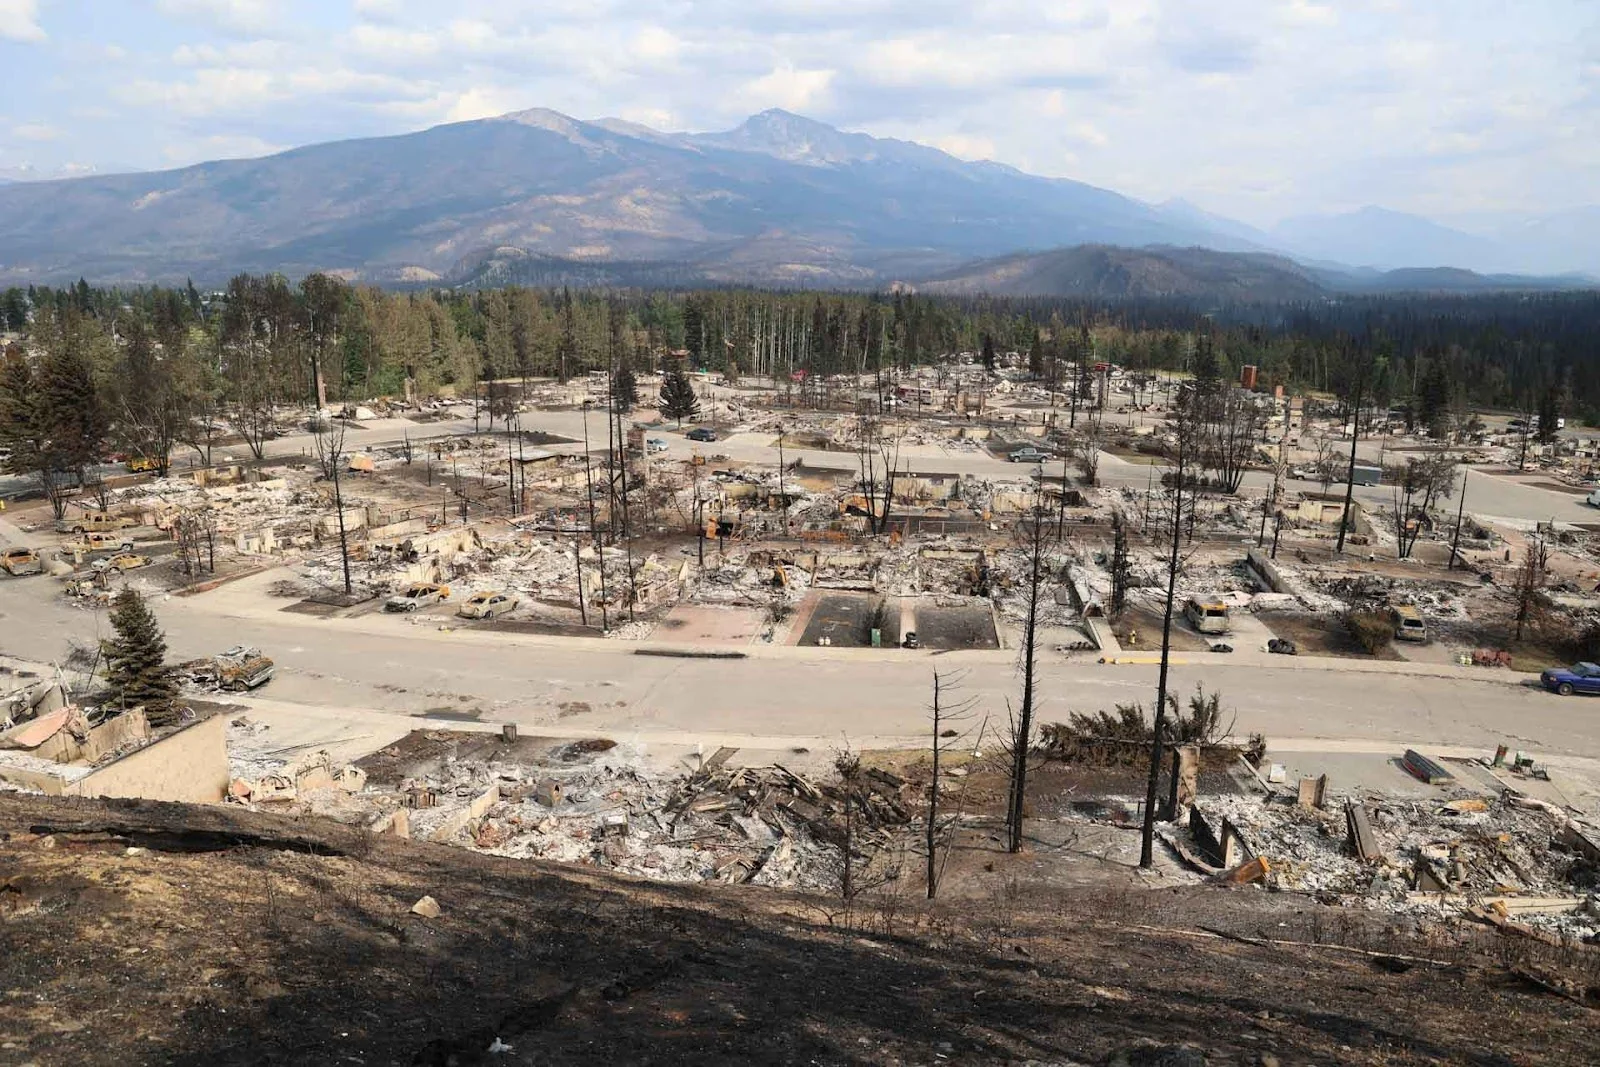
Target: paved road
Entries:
(406, 664)
(800, 693)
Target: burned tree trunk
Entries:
(1022, 723)
(945, 713)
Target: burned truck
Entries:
(237, 669)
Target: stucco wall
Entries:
(190, 765)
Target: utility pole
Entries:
(522, 495)
(455, 469)
(594, 535)
(1061, 503)
(577, 561)
(783, 494)
(627, 526)
(1461, 508)
(933, 796)
(1272, 496)
(699, 521)
(613, 446)
(1147, 840)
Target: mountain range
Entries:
(780, 200)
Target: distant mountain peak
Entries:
(795, 138)
(545, 119)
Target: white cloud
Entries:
(1089, 133)
(1303, 11)
(788, 88)
(483, 103)
(36, 131)
(656, 45)
(19, 20)
(393, 42)
(244, 90)
(1251, 107)
(475, 35)
(234, 16)
(259, 53)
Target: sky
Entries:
(1256, 109)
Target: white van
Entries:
(1593, 499)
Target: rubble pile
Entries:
(1435, 853)
(762, 825)
(1378, 590)
(751, 578)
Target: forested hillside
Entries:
(146, 366)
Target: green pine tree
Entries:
(1549, 415)
(678, 399)
(625, 389)
(14, 310)
(72, 407)
(136, 661)
(1433, 398)
(694, 330)
(1036, 356)
(22, 431)
(1207, 368)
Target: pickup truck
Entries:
(94, 522)
(20, 561)
(417, 596)
(238, 669)
(100, 542)
(1029, 455)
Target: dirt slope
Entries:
(278, 941)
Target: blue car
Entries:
(1579, 678)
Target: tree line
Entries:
(150, 369)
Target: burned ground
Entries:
(848, 619)
(950, 627)
(271, 946)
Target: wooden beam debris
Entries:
(1363, 842)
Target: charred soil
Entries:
(135, 932)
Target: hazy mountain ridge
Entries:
(551, 185)
(1202, 274)
(780, 200)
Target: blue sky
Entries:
(1253, 108)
